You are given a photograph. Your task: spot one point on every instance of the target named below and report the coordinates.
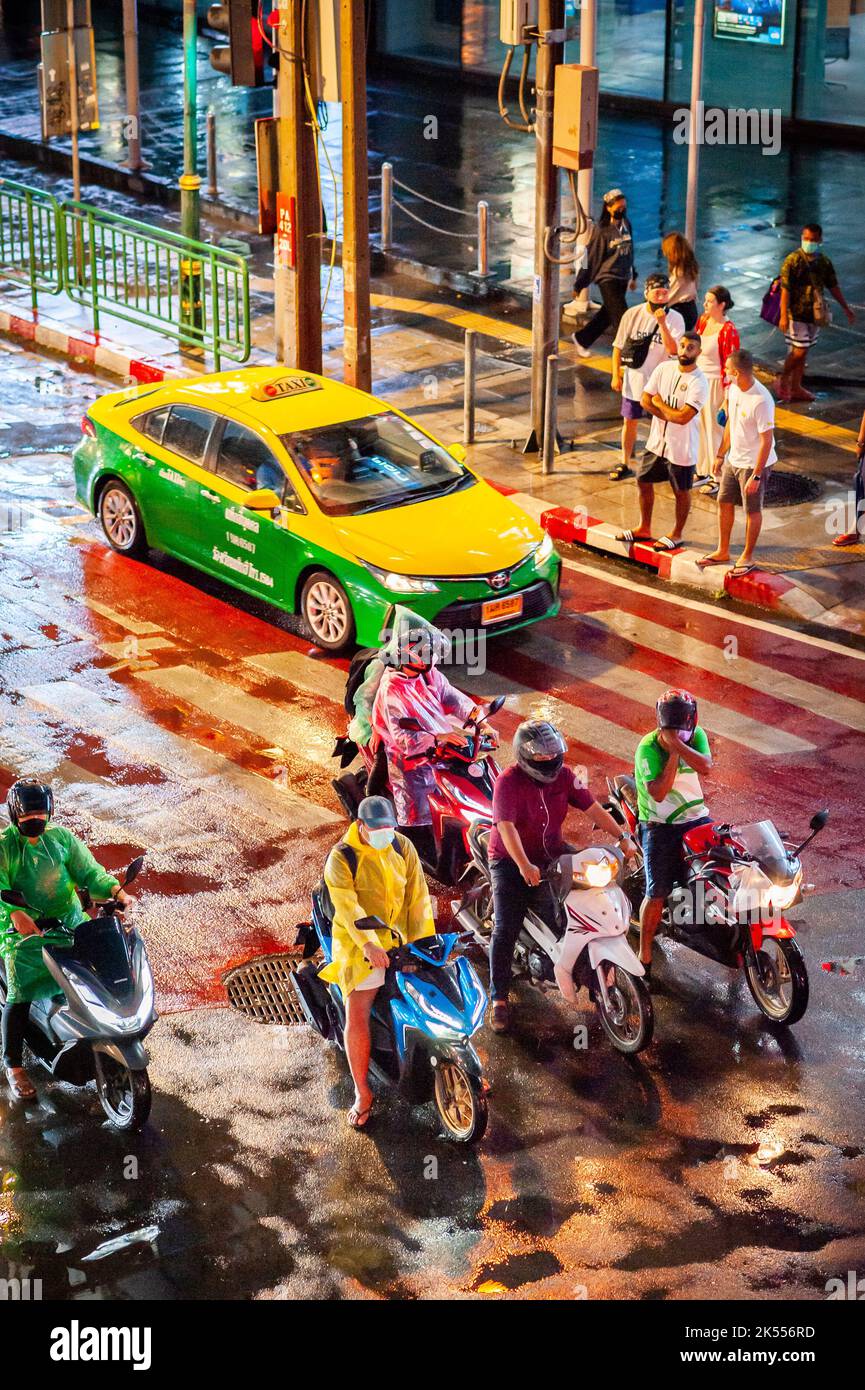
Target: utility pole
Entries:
(355, 199)
(130, 67)
(585, 177)
(545, 298)
(73, 98)
(190, 183)
(297, 257)
(695, 136)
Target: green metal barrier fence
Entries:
(30, 238)
(188, 290)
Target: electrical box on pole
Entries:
(323, 51)
(575, 116)
(515, 17)
(243, 58)
(55, 79)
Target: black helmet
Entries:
(540, 749)
(677, 709)
(29, 801)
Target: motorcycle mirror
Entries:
(818, 821)
(410, 723)
(14, 899)
(496, 704)
(134, 870)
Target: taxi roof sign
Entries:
(285, 386)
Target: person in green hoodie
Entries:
(46, 864)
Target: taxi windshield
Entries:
(374, 463)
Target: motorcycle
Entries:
(588, 946)
(463, 789)
(739, 880)
(97, 1031)
(429, 1007)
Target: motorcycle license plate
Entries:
(495, 609)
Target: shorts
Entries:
(801, 335)
(663, 860)
(655, 468)
(732, 488)
(632, 410)
(374, 980)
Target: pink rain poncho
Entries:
(431, 699)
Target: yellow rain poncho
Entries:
(47, 875)
(388, 883)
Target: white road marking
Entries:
(591, 729)
(312, 675)
(131, 624)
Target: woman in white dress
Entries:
(718, 338)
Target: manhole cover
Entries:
(262, 989)
(787, 489)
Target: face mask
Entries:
(380, 839)
(33, 827)
(809, 247)
(685, 735)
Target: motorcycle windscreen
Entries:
(763, 843)
(104, 952)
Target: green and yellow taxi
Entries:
(315, 496)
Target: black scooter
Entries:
(96, 1032)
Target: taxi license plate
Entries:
(496, 609)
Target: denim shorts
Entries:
(662, 855)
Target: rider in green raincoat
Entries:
(45, 863)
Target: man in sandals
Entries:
(674, 395)
(646, 336)
(743, 461)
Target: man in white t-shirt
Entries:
(746, 455)
(674, 395)
(650, 325)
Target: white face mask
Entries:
(380, 839)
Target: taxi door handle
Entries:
(211, 496)
(138, 456)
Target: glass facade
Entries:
(805, 58)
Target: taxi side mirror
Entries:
(263, 499)
(457, 451)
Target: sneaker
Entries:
(581, 351)
(851, 538)
(500, 1016)
(572, 309)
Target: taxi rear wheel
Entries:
(121, 519)
(327, 612)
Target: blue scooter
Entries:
(430, 1006)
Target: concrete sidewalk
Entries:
(418, 364)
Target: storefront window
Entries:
(830, 82)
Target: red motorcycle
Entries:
(739, 881)
(463, 791)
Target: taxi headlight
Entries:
(401, 583)
(544, 550)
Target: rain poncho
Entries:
(387, 883)
(430, 698)
(46, 874)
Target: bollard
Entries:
(483, 238)
(469, 388)
(551, 400)
(212, 189)
(386, 205)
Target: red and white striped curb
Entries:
(773, 591)
(85, 346)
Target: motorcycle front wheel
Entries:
(124, 1094)
(778, 979)
(629, 1022)
(460, 1102)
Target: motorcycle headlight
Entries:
(402, 583)
(598, 874)
(544, 550)
(782, 896)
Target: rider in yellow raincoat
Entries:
(45, 863)
(381, 876)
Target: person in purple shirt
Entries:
(530, 802)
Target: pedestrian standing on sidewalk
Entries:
(684, 272)
(647, 336)
(857, 535)
(806, 275)
(674, 395)
(718, 338)
(743, 461)
(610, 266)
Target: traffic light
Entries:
(243, 57)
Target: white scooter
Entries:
(588, 946)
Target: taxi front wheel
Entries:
(326, 612)
(121, 519)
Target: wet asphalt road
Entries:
(728, 1161)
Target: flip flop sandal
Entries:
(359, 1119)
(739, 570)
(665, 544)
(617, 474)
(630, 537)
(20, 1085)
(707, 560)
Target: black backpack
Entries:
(357, 675)
(349, 854)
